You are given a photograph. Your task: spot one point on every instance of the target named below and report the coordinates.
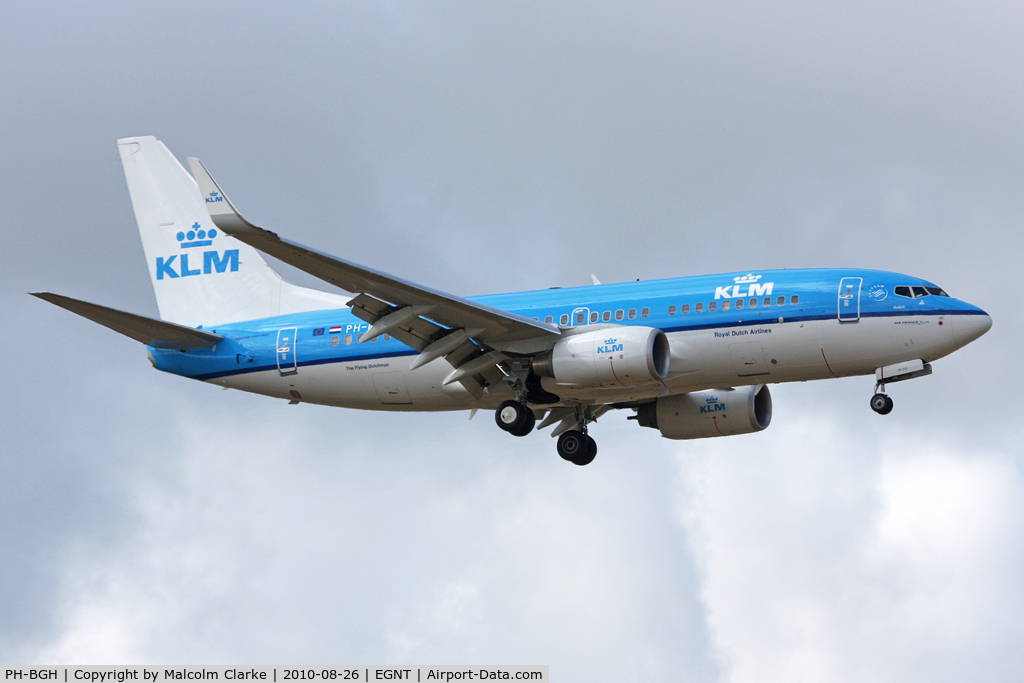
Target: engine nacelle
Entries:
(715, 412)
(608, 357)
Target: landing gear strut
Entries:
(515, 418)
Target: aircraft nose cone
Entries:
(967, 328)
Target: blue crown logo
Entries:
(712, 400)
(745, 279)
(196, 237)
(611, 341)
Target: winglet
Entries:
(224, 214)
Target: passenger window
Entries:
(920, 292)
(726, 305)
(767, 301)
(606, 316)
(374, 340)
(387, 337)
(632, 314)
(548, 319)
(593, 316)
(699, 308)
(753, 303)
(581, 318)
(739, 304)
(781, 301)
(348, 339)
(645, 312)
(671, 310)
(686, 308)
(334, 340)
(712, 306)
(795, 299)
(618, 314)
(564, 320)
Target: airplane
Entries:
(691, 357)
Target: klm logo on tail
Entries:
(197, 237)
(213, 261)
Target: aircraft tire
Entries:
(588, 456)
(529, 420)
(511, 415)
(571, 444)
(577, 448)
(881, 404)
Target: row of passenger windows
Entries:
(606, 316)
(918, 292)
(336, 340)
(740, 304)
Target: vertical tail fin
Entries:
(201, 276)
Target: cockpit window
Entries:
(918, 292)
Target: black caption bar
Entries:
(271, 674)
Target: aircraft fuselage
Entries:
(732, 329)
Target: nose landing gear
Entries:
(880, 402)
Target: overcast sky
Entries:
(481, 147)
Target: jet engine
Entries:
(608, 357)
(715, 412)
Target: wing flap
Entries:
(416, 332)
(157, 333)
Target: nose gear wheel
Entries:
(881, 404)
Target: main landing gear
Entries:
(574, 445)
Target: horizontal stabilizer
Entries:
(155, 333)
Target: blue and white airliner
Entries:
(691, 357)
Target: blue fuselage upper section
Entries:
(724, 301)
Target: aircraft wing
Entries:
(426, 319)
(452, 311)
(155, 333)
